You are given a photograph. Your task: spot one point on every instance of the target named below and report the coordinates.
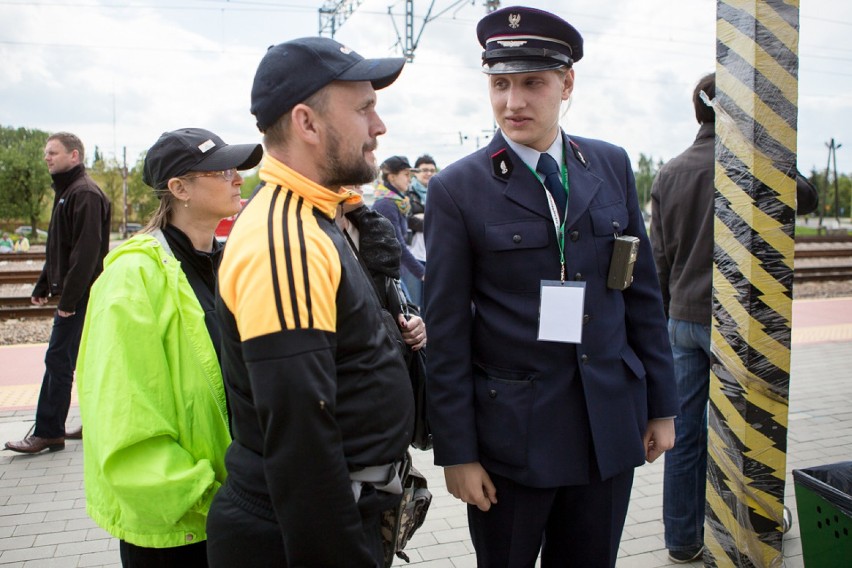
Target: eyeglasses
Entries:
(432, 171)
(227, 175)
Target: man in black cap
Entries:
(321, 403)
(546, 395)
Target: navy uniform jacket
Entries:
(532, 410)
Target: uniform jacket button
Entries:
(492, 393)
(575, 236)
(616, 225)
(578, 276)
(586, 318)
(584, 358)
(516, 239)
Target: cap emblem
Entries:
(506, 43)
(206, 145)
(514, 21)
(345, 50)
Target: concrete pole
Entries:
(756, 121)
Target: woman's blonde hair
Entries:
(163, 215)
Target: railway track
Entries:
(30, 312)
(820, 247)
(24, 301)
(823, 253)
(822, 273)
(22, 256)
(19, 276)
(22, 307)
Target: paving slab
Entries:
(42, 505)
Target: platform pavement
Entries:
(43, 522)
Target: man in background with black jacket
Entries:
(77, 242)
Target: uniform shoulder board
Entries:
(578, 154)
(501, 164)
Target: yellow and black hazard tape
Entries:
(756, 111)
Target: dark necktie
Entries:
(548, 168)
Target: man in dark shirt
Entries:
(77, 242)
(322, 408)
(682, 239)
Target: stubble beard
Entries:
(340, 171)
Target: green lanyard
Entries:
(554, 214)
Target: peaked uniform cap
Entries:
(518, 39)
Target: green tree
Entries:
(839, 195)
(834, 200)
(24, 180)
(107, 174)
(141, 200)
(250, 181)
(645, 177)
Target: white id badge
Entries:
(560, 314)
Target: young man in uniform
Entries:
(550, 372)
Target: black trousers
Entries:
(238, 537)
(59, 362)
(187, 556)
(571, 526)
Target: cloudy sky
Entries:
(120, 72)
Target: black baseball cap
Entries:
(518, 39)
(292, 71)
(395, 164)
(195, 150)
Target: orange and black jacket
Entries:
(315, 385)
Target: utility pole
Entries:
(752, 282)
(832, 156)
(124, 191)
(409, 43)
(334, 13)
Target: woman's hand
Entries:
(413, 331)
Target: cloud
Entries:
(120, 73)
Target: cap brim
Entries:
(239, 156)
(520, 66)
(380, 72)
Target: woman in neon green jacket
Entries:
(149, 381)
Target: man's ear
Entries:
(568, 84)
(305, 124)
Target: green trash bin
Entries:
(824, 502)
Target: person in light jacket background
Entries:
(393, 203)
